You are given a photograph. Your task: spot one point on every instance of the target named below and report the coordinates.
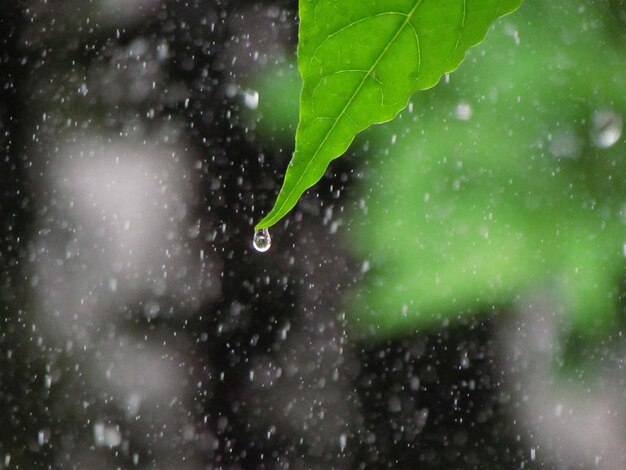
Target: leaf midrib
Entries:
(409, 16)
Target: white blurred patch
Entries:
(124, 12)
(106, 435)
(146, 374)
(571, 425)
(113, 248)
(114, 236)
(75, 19)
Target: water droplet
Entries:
(43, 436)
(564, 143)
(394, 405)
(251, 99)
(463, 112)
(106, 435)
(151, 308)
(365, 267)
(343, 441)
(512, 32)
(465, 360)
(606, 128)
(262, 240)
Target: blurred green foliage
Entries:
(508, 178)
(279, 94)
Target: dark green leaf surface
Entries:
(360, 61)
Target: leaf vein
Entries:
(347, 105)
(350, 25)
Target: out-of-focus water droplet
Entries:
(106, 435)
(463, 112)
(133, 403)
(465, 361)
(365, 267)
(343, 441)
(151, 308)
(394, 405)
(606, 128)
(564, 143)
(262, 240)
(43, 436)
(510, 30)
(163, 51)
(251, 99)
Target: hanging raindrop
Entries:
(262, 240)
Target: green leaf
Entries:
(360, 62)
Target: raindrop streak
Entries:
(262, 240)
(343, 441)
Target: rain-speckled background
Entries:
(450, 296)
